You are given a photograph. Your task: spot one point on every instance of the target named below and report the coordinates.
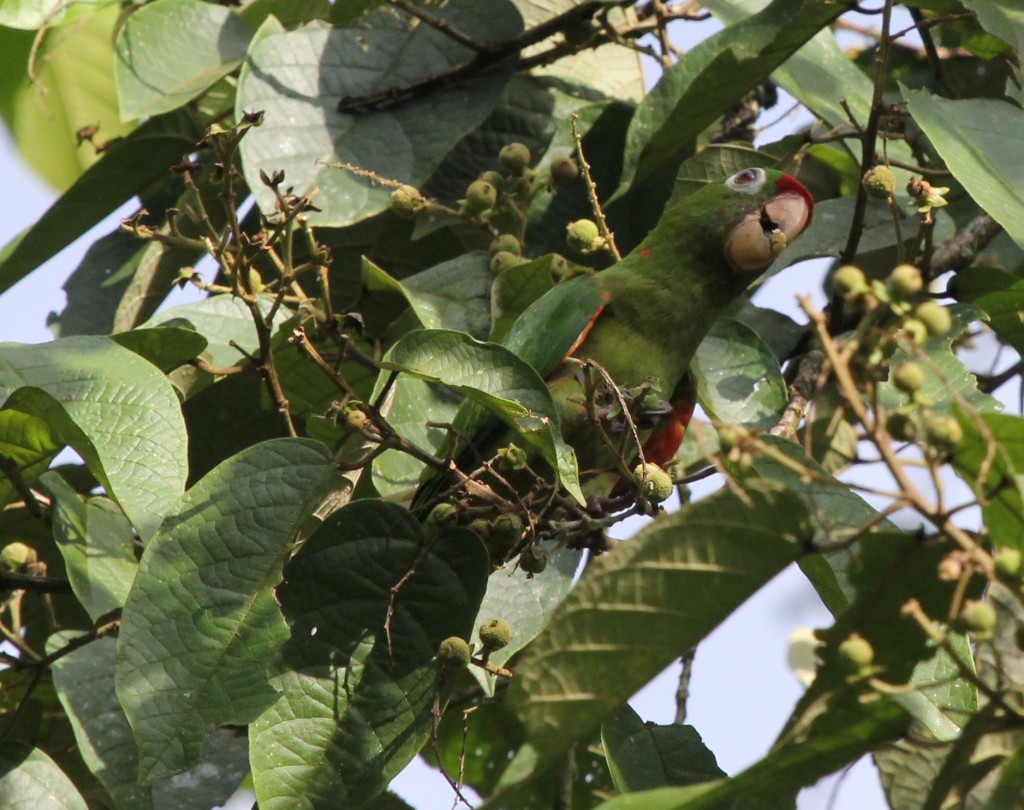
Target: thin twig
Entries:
(595, 205)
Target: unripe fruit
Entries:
(901, 426)
(481, 527)
(655, 484)
(909, 377)
(1008, 562)
(728, 437)
(978, 618)
(256, 281)
(444, 514)
(506, 242)
(503, 260)
(905, 280)
(496, 179)
(506, 529)
(495, 634)
(584, 235)
(856, 652)
(533, 560)
(356, 419)
(454, 653)
(406, 202)
(944, 433)
(514, 158)
(849, 279)
(916, 330)
(15, 556)
(935, 317)
(564, 170)
(880, 182)
(480, 196)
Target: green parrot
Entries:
(638, 323)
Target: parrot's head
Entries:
(770, 210)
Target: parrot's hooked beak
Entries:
(763, 234)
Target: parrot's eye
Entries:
(749, 181)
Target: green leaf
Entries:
(27, 442)
(738, 377)
(635, 609)
(498, 380)
(1001, 18)
(368, 603)
(170, 51)
(526, 602)
(128, 167)
(715, 74)
(999, 294)
(451, 295)
(166, 347)
(32, 14)
(96, 541)
(30, 779)
(298, 78)
(222, 320)
(990, 459)
(642, 756)
(209, 574)
(118, 411)
(415, 403)
(84, 680)
(72, 87)
(515, 289)
(979, 139)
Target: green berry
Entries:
(506, 530)
(1008, 562)
(533, 560)
(935, 317)
(503, 260)
(15, 556)
(564, 170)
(909, 377)
(901, 426)
(406, 202)
(905, 280)
(356, 419)
(880, 182)
(978, 618)
(514, 158)
(916, 330)
(655, 484)
(583, 235)
(508, 243)
(444, 514)
(856, 652)
(495, 634)
(481, 527)
(256, 281)
(454, 653)
(944, 433)
(496, 179)
(849, 279)
(480, 196)
(729, 436)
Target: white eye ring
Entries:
(748, 181)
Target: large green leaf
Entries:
(202, 626)
(712, 76)
(1000, 294)
(118, 411)
(1001, 18)
(298, 78)
(451, 295)
(643, 756)
(981, 140)
(738, 377)
(368, 600)
(73, 88)
(96, 541)
(637, 607)
(30, 779)
(498, 380)
(84, 680)
(169, 51)
(29, 443)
